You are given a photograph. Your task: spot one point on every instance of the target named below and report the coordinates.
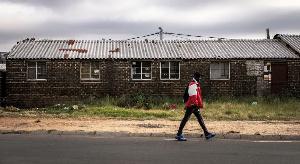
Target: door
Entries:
(279, 77)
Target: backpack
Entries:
(186, 94)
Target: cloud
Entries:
(53, 4)
(122, 19)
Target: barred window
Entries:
(90, 71)
(36, 70)
(169, 70)
(141, 70)
(219, 70)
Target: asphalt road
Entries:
(31, 149)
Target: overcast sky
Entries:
(125, 19)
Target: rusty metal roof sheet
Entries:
(153, 49)
(292, 40)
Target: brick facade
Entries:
(294, 74)
(63, 82)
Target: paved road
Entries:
(31, 149)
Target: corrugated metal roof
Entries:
(292, 40)
(154, 49)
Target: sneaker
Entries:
(180, 138)
(210, 135)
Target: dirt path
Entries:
(151, 126)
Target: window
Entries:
(90, 71)
(36, 70)
(219, 70)
(141, 70)
(169, 70)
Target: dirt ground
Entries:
(151, 126)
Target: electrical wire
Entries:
(176, 35)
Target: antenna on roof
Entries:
(160, 33)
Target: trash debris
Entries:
(254, 103)
(173, 106)
(75, 107)
(232, 132)
(151, 125)
(21, 124)
(9, 108)
(166, 106)
(12, 108)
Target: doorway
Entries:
(279, 77)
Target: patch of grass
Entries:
(122, 113)
(143, 107)
(243, 109)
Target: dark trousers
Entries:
(188, 113)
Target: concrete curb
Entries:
(162, 135)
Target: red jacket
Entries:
(195, 95)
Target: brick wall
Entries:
(294, 74)
(64, 85)
(240, 82)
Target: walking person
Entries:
(193, 105)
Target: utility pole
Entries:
(160, 33)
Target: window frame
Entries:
(131, 63)
(90, 71)
(211, 78)
(160, 74)
(36, 71)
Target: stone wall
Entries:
(63, 82)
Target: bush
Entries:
(122, 101)
(292, 93)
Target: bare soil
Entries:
(150, 126)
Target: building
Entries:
(3, 56)
(45, 72)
